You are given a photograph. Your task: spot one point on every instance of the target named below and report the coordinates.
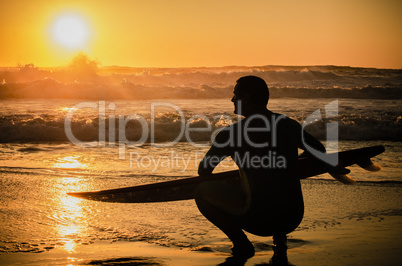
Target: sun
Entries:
(70, 31)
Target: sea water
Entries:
(39, 163)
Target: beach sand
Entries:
(368, 242)
(343, 225)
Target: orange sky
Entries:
(169, 33)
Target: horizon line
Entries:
(205, 67)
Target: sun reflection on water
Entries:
(70, 212)
(73, 222)
(71, 230)
(69, 162)
(66, 109)
(69, 245)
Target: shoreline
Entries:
(355, 242)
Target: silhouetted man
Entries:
(264, 145)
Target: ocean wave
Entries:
(367, 92)
(55, 90)
(361, 127)
(31, 149)
(194, 83)
(169, 127)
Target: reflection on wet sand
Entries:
(69, 162)
(69, 209)
(68, 231)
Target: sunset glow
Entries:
(203, 33)
(139, 131)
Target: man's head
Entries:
(251, 94)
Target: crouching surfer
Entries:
(269, 201)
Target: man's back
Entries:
(264, 147)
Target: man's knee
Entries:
(208, 189)
(201, 191)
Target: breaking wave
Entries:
(194, 83)
(169, 127)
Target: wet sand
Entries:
(363, 242)
(343, 225)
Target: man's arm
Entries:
(304, 140)
(215, 155)
(307, 142)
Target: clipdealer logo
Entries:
(147, 130)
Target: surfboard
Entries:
(184, 189)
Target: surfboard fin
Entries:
(368, 165)
(345, 179)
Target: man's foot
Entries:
(233, 261)
(280, 248)
(279, 260)
(243, 250)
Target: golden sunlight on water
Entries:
(69, 162)
(70, 210)
(66, 109)
(69, 245)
